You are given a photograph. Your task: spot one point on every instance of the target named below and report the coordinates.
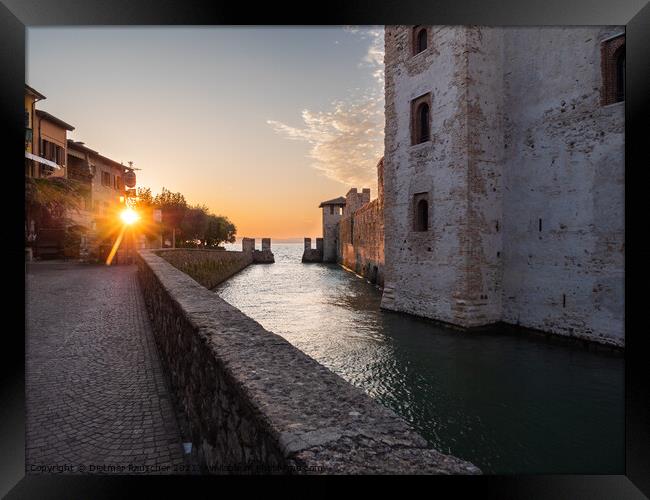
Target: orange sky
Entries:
(260, 125)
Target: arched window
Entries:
(421, 40)
(421, 214)
(423, 123)
(620, 74)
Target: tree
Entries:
(144, 199)
(173, 206)
(48, 202)
(194, 225)
(219, 230)
(57, 195)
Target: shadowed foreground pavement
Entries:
(95, 393)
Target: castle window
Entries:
(612, 61)
(331, 209)
(421, 212)
(423, 122)
(620, 74)
(420, 39)
(421, 119)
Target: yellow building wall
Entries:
(29, 121)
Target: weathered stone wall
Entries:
(362, 247)
(208, 267)
(427, 272)
(253, 398)
(355, 200)
(519, 142)
(331, 218)
(310, 254)
(564, 166)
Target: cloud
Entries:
(347, 139)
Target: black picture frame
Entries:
(16, 15)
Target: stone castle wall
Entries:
(564, 171)
(360, 232)
(362, 241)
(331, 219)
(254, 400)
(427, 273)
(524, 176)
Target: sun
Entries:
(129, 216)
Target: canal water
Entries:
(509, 403)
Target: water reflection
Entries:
(508, 403)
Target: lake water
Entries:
(509, 403)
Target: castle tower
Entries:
(504, 177)
(332, 212)
(442, 172)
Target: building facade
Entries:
(50, 154)
(45, 139)
(106, 195)
(504, 177)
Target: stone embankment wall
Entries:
(253, 398)
(208, 267)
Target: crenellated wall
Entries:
(255, 403)
(361, 232)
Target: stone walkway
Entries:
(97, 401)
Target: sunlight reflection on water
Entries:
(509, 404)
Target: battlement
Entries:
(313, 254)
(264, 256)
(355, 200)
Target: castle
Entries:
(502, 184)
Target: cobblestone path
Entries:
(96, 397)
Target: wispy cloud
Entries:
(347, 139)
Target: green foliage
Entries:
(194, 225)
(219, 230)
(55, 194)
(173, 206)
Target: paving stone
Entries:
(95, 390)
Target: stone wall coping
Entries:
(313, 414)
(220, 249)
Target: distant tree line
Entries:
(190, 226)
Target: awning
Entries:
(41, 160)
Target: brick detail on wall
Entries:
(609, 50)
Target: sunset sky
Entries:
(259, 124)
